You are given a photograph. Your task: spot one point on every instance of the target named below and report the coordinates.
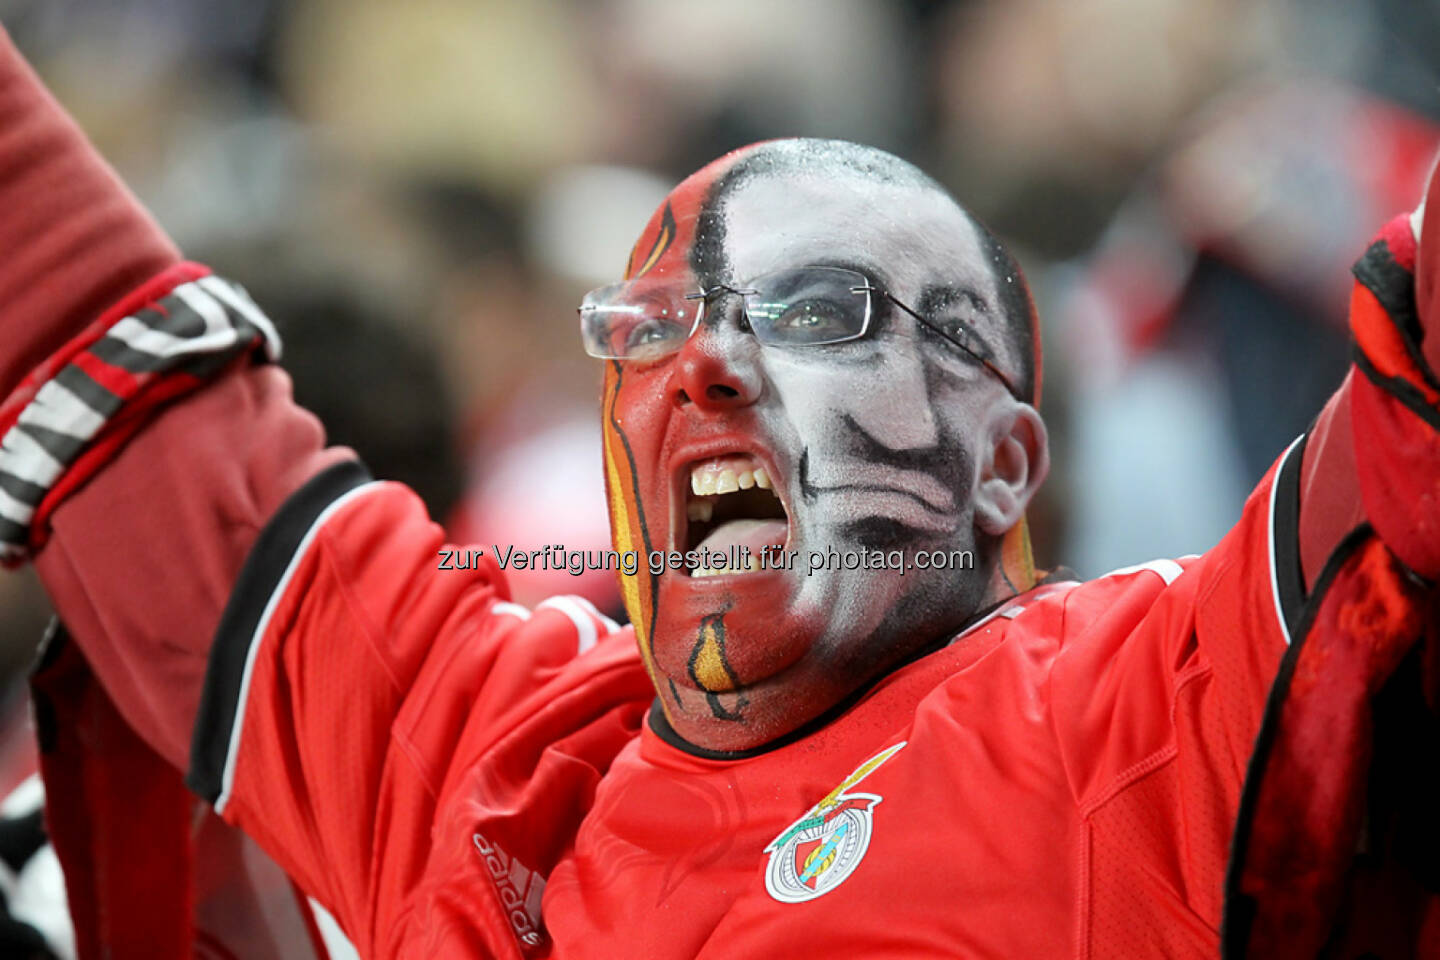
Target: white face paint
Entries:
(876, 436)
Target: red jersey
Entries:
(454, 775)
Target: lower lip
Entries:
(759, 578)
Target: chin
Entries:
(745, 660)
(756, 715)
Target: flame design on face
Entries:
(663, 236)
(707, 661)
(711, 671)
(627, 520)
(629, 532)
(1017, 560)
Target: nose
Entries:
(716, 370)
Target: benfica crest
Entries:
(817, 852)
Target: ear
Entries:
(1013, 463)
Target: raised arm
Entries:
(144, 552)
(1335, 822)
(259, 610)
(1245, 693)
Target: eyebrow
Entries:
(938, 296)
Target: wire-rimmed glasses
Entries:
(799, 307)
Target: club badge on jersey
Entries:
(817, 852)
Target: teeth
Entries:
(700, 510)
(716, 477)
(705, 572)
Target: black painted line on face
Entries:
(938, 296)
(658, 246)
(945, 463)
(709, 260)
(884, 533)
(717, 709)
(934, 460)
(938, 303)
(1004, 576)
(1016, 308)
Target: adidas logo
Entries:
(520, 890)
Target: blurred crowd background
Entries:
(420, 192)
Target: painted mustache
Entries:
(929, 476)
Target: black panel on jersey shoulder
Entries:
(1285, 536)
(263, 572)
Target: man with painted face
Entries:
(911, 749)
(808, 363)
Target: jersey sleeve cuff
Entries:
(75, 410)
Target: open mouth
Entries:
(732, 515)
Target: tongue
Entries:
(755, 534)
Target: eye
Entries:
(651, 337)
(961, 332)
(813, 320)
(956, 317)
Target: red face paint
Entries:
(652, 433)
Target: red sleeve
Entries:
(359, 668)
(75, 243)
(142, 559)
(1158, 692)
(75, 240)
(1332, 828)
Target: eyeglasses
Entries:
(802, 307)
